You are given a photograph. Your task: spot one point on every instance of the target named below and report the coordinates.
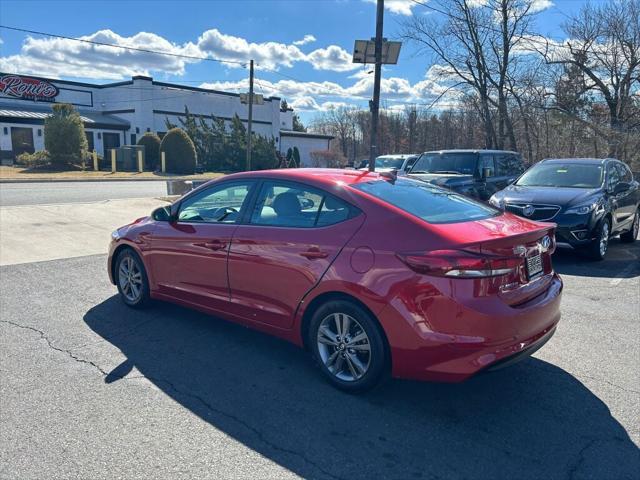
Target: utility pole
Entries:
(250, 120)
(375, 104)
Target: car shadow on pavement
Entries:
(533, 420)
(622, 261)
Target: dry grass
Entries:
(19, 173)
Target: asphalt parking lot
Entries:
(92, 389)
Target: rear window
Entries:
(430, 203)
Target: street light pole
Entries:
(375, 105)
(250, 119)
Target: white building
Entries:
(117, 114)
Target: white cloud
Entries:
(399, 7)
(306, 39)
(61, 57)
(56, 57)
(267, 54)
(333, 58)
(318, 96)
(539, 5)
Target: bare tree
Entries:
(477, 43)
(604, 48)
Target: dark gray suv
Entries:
(476, 173)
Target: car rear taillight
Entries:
(460, 263)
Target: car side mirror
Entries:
(621, 187)
(485, 173)
(161, 214)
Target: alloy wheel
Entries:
(344, 347)
(130, 279)
(604, 239)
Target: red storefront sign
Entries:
(27, 88)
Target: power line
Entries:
(136, 49)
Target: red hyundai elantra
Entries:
(372, 274)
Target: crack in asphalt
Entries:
(44, 337)
(206, 404)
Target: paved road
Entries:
(92, 389)
(76, 192)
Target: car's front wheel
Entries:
(599, 246)
(348, 345)
(632, 234)
(131, 279)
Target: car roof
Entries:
(471, 150)
(399, 155)
(320, 176)
(585, 161)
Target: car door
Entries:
(615, 199)
(294, 234)
(627, 202)
(188, 256)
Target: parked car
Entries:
(372, 273)
(590, 200)
(475, 173)
(387, 163)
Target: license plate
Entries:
(534, 266)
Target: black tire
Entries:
(632, 234)
(125, 258)
(376, 359)
(595, 250)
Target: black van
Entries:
(475, 173)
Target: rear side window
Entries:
(297, 206)
(430, 203)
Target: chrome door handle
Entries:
(215, 245)
(313, 253)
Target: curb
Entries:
(78, 180)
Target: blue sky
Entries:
(302, 47)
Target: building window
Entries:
(137, 129)
(90, 140)
(99, 135)
(133, 138)
(39, 132)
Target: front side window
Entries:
(453, 163)
(297, 206)
(613, 176)
(508, 164)
(567, 175)
(486, 161)
(428, 202)
(220, 204)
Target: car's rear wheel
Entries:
(599, 246)
(632, 234)
(348, 345)
(131, 279)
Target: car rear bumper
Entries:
(444, 357)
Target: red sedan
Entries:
(373, 275)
